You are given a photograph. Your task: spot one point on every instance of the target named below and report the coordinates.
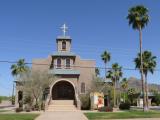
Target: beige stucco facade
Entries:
(68, 66)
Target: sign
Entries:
(97, 100)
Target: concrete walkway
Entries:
(62, 115)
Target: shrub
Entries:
(27, 108)
(19, 109)
(12, 99)
(105, 109)
(0, 100)
(85, 102)
(36, 107)
(28, 100)
(156, 99)
(42, 106)
(124, 106)
(154, 104)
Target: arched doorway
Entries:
(20, 95)
(63, 90)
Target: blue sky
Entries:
(28, 29)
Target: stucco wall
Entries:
(87, 71)
(63, 62)
(59, 45)
(41, 64)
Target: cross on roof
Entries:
(64, 29)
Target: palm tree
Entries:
(149, 64)
(17, 69)
(115, 74)
(138, 17)
(124, 86)
(106, 58)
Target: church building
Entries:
(74, 75)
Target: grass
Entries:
(4, 111)
(122, 115)
(18, 116)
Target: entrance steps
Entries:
(61, 105)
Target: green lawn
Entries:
(4, 111)
(17, 116)
(122, 115)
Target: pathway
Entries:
(62, 115)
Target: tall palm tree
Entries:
(124, 86)
(115, 74)
(149, 64)
(138, 17)
(17, 69)
(106, 58)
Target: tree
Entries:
(34, 84)
(97, 72)
(17, 70)
(124, 86)
(132, 95)
(138, 17)
(99, 84)
(106, 58)
(149, 64)
(115, 74)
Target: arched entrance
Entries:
(63, 90)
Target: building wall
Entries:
(63, 62)
(86, 68)
(59, 45)
(41, 64)
(87, 71)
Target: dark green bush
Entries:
(154, 104)
(42, 106)
(85, 102)
(36, 107)
(124, 106)
(105, 109)
(19, 109)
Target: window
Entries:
(63, 45)
(58, 63)
(83, 87)
(67, 63)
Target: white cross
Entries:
(64, 29)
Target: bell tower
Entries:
(64, 42)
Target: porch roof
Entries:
(64, 72)
(70, 54)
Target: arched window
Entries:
(67, 63)
(59, 63)
(83, 87)
(63, 45)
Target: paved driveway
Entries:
(60, 115)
